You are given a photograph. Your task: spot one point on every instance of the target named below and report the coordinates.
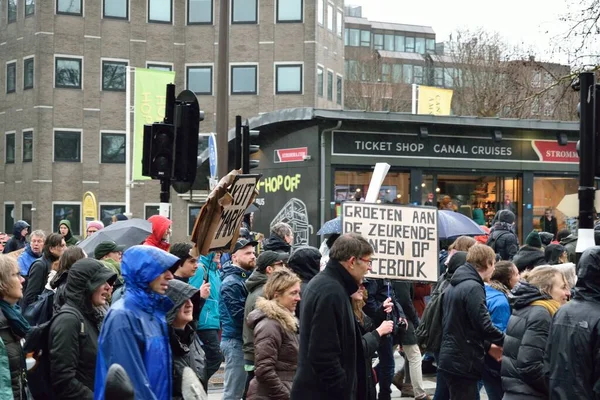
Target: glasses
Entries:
(368, 262)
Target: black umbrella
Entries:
(126, 233)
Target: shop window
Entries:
(107, 211)
(9, 217)
(71, 212)
(200, 12)
(353, 186)
(547, 194)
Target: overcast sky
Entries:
(528, 23)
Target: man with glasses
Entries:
(268, 262)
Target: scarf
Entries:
(17, 323)
(550, 305)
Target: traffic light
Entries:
(249, 147)
(161, 150)
(187, 120)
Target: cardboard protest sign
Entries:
(404, 239)
(218, 223)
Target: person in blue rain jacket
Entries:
(134, 333)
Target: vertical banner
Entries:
(150, 98)
(434, 101)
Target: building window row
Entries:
(335, 18)
(330, 85)
(389, 73)
(10, 146)
(28, 74)
(389, 42)
(12, 9)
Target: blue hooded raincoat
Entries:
(134, 333)
(209, 316)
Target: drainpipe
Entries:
(323, 188)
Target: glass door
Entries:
(509, 197)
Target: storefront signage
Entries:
(404, 239)
(469, 148)
(291, 155)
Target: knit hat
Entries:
(506, 216)
(95, 224)
(534, 240)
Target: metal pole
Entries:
(587, 162)
(246, 148)
(238, 142)
(129, 70)
(222, 90)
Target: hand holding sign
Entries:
(387, 305)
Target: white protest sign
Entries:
(404, 239)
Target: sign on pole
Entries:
(404, 239)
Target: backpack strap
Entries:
(72, 310)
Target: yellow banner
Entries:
(150, 98)
(434, 101)
(90, 209)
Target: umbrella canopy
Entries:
(126, 233)
(331, 226)
(452, 224)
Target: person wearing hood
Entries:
(467, 324)
(73, 336)
(209, 323)
(54, 246)
(275, 337)
(570, 243)
(185, 343)
(64, 228)
(267, 263)
(573, 351)
(305, 261)
(531, 254)
(134, 333)
(535, 301)
(281, 238)
(33, 251)
(161, 232)
(503, 239)
(18, 241)
(556, 254)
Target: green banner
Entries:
(150, 95)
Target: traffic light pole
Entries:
(222, 91)
(165, 183)
(587, 162)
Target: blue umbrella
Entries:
(452, 224)
(331, 226)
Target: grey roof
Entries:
(390, 26)
(308, 113)
(442, 59)
(401, 55)
(356, 20)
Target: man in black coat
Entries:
(573, 350)
(281, 238)
(466, 324)
(331, 358)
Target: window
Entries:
(397, 73)
(430, 45)
(548, 191)
(160, 67)
(351, 69)
(330, 17)
(193, 212)
(9, 217)
(11, 77)
(399, 43)
(200, 12)
(352, 37)
(339, 86)
(12, 11)
(340, 22)
(67, 146)
(199, 80)
(160, 11)
(70, 212)
(378, 41)
(29, 7)
(320, 81)
(244, 12)
(107, 211)
(27, 146)
(114, 75)
(289, 79)
(289, 10)
(9, 141)
(150, 210)
(388, 42)
(418, 74)
(112, 148)
(28, 71)
(386, 71)
(439, 76)
(67, 72)
(116, 9)
(409, 45)
(26, 212)
(407, 72)
(420, 45)
(329, 85)
(320, 12)
(365, 38)
(243, 79)
(449, 77)
(71, 7)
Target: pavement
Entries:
(215, 386)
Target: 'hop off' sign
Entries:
(404, 239)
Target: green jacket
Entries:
(5, 381)
(70, 240)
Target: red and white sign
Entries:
(551, 151)
(291, 155)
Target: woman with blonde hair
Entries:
(535, 301)
(275, 337)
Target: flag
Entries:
(434, 101)
(150, 98)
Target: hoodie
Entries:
(209, 316)
(17, 242)
(275, 243)
(70, 240)
(26, 259)
(160, 226)
(305, 261)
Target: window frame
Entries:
(125, 18)
(111, 204)
(12, 224)
(25, 9)
(113, 61)
(233, 66)
(289, 21)
(212, 14)
(200, 66)
(321, 87)
(68, 203)
(339, 89)
(80, 14)
(25, 60)
(59, 57)
(112, 133)
(23, 205)
(288, 65)
(407, 48)
(245, 22)
(339, 23)
(23, 132)
(362, 42)
(321, 12)
(13, 64)
(330, 18)
(69, 131)
(10, 20)
(150, 64)
(13, 135)
(375, 45)
(152, 21)
(330, 75)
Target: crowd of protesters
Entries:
(295, 322)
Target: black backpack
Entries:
(493, 239)
(41, 310)
(36, 342)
